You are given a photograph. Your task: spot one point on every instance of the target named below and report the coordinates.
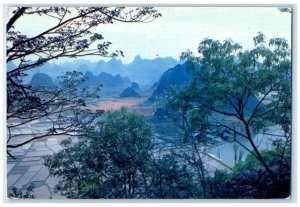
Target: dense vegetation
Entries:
(232, 96)
(249, 179)
(223, 94)
(115, 160)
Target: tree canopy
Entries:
(235, 94)
(67, 34)
(115, 160)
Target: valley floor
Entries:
(28, 167)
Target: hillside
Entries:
(41, 79)
(129, 93)
(176, 76)
(110, 84)
(146, 71)
(113, 66)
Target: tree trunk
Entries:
(259, 157)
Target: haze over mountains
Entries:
(113, 75)
(146, 71)
(142, 71)
(110, 84)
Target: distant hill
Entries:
(50, 69)
(176, 76)
(180, 75)
(113, 66)
(135, 86)
(41, 79)
(142, 71)
(146, 71)
(129, 92)
(110, 83)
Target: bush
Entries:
(106, 162)
(248, 180)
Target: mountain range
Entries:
(110, 84)
(146, 72)
(142, 71)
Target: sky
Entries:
(182, 28)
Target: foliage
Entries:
(62, 104)
(107, 162)
(236, 92)
(115, 160)
(253, 165)
(171, 179)
(22, 194)
(284, 9)
(250, 180)
(68, 35)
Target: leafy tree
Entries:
(171, 179)
(249, 179)
(194, 143)
(108, 162)
(235, 94)
(67, 34)
(115, 160)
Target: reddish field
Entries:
(107, 105)
(113, 104)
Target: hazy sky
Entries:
(182, 28)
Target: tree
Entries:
(194, 142)
(61, 106)
(108, 162)
(171, 178)
(115, 160)
(238, 93)
(249, 179)
(68, 34)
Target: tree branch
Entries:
(15, 17)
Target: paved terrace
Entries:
(28, 167)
